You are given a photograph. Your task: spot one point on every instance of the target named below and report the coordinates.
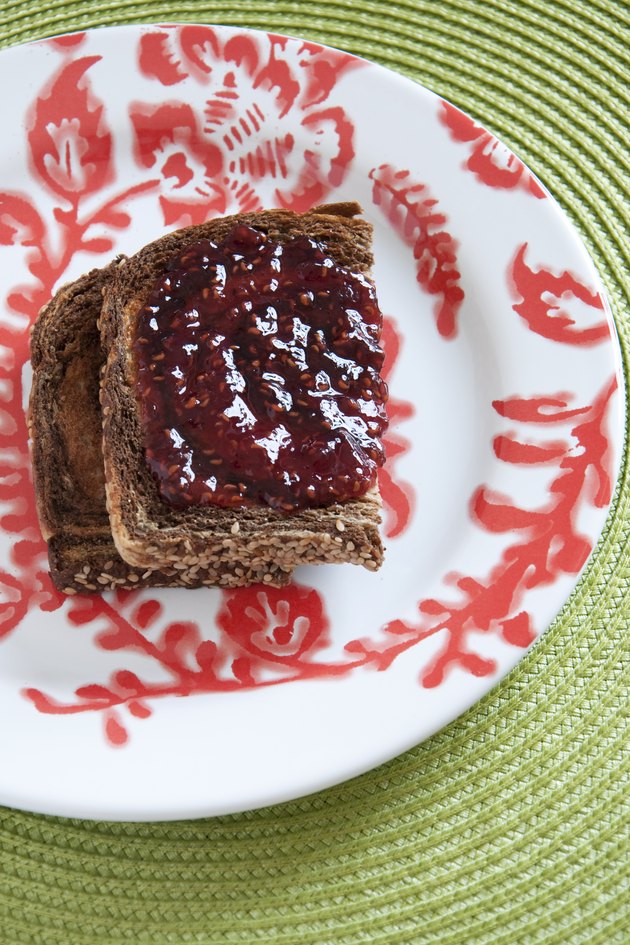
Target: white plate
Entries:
(505, 438)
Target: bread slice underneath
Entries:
(65, 426)
(146, 530)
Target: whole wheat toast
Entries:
(150, 533)
(65, 426)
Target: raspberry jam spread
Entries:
(258, 375)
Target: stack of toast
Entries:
(99, 506)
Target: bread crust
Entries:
(147, 531)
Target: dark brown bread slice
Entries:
(66, 447)
(150, 533)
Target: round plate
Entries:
(503, 448)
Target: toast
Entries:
(150, 533)
(65, 426)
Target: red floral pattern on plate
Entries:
(546, 547)
(72, 156)
(414, 214)
(490, 161)
(269, 636)
(543, 300)
(292, 135)
(273, 636)
(70, 151)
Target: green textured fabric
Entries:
(511, 826)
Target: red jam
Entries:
(258, 368)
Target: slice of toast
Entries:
(147, 531)
(66, 445)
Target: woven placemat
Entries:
(510, 826)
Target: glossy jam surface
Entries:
(258, 375)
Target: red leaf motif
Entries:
(242, 669)
(491, 162)
(139, 709)
(206, 655)
(592, 435)
(510, 450)
(178, 639)
(542, 300)
(537, 409)
(244, 51)
(200, 47)
(461, 126)
(477, 665)
(496, 512)
(84, 610)
(14, 602)
(42, 702)
(94, 692)
(115, 218)
(97, 245)
(414, 215)
(147, 613)
(176, 53)
(20, 223)
(68, 42)
(517, 630)
(157, 60)
(70, 145)
(571, 556)
(281, 624)
(113, 639)
(115, 732)
(398, 499)
(124, 679)
(430, 606)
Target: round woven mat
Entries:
(508, 827)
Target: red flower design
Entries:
(169, 142)
(71, 148)
(275, 624)
(543, 299)
(204, 159)
(491, 162)
(414, 214)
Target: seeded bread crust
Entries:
(65, 427)
(146, 530)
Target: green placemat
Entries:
(509, 826)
